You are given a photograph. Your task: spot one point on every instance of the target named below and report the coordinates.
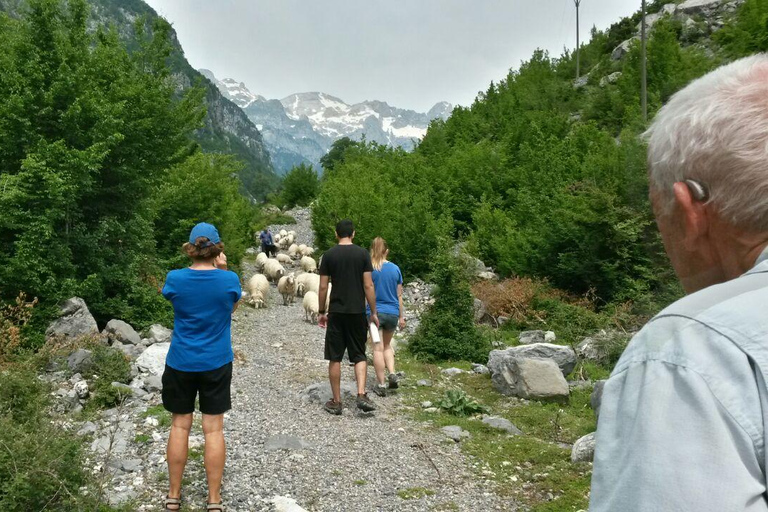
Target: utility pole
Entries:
(643, 68)
(578, 40)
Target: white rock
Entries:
(152, 360)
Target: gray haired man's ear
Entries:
(698, 191)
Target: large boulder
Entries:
(474, 266)
(563, 356)
(80, 361)
(320, 392)
(480, 311)
(120, 332)
(152, 360)
(620, 51)
(536, 379)
(584, 449)
(698, 6)
(74, 321)
(158, 334)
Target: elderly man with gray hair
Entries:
(683, 417)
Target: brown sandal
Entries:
(171, 501)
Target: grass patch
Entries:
(360, 482)
(141, 438)
(415, 493)
(162, 416)
(533, 468)
(195, 454)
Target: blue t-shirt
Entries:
(202, 306)
(385, 281)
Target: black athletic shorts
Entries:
(346, 332)
(181, 388)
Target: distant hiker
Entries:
(683, 416)
(349, 268)
(388, 282)
(268, 243)
(199, 362)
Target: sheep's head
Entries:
(291, 279)
(300, 288)
(280, 272)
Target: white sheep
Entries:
(293, 251)
(273, 270)
(284, 259)
(302, 248)
(261, 258)
(290, 239)
(258, 288)
(308, 251)
(283, 233)
(308, 264)
(287, 288)
(292, 233)
(311, 307)
(276, 239)
(306, 283)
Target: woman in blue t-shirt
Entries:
(204, 296)
(388, 281)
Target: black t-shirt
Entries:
(345, 265)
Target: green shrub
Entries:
(447, 329)
(300, 186)
(457, 403)
(109, 365)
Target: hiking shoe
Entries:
(364, 403)
(334, 408)
(394, 381)
(380, 389)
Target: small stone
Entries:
(584, 449)
(153, 383)
(480, 369)
(455, 432)
(501, 424)
(426, 405)
(432, 410)
(81, 388)
(158, 334)
(528, 337)
(424, 383)
(450, 372)
(151, 421)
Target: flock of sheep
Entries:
(289, 285)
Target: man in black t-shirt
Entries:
(349, 268)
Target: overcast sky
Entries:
(409, 53)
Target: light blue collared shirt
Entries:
(683, 415)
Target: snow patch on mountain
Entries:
(302, 127)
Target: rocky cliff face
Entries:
(302, 127)
(227, 129)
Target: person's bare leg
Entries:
(361, 373)
(215, 454)
(387, 352)
(334, 374)
(176, 452)
(378, 362)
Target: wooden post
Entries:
(644, 68)
(578, 41)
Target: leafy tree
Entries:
(748, 33)
(447, 330)
(336, 154)
(300, 186)
(92, 135)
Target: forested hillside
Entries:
(102, 175)
(225, 128)
(544, 175)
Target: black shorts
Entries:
(181, 388)
(346, 332)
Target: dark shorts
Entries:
(181, 388)
(346, 332)
(388, 322)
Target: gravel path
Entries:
(285, 453)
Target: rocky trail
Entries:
(284, 451)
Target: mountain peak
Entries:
(233, 90)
